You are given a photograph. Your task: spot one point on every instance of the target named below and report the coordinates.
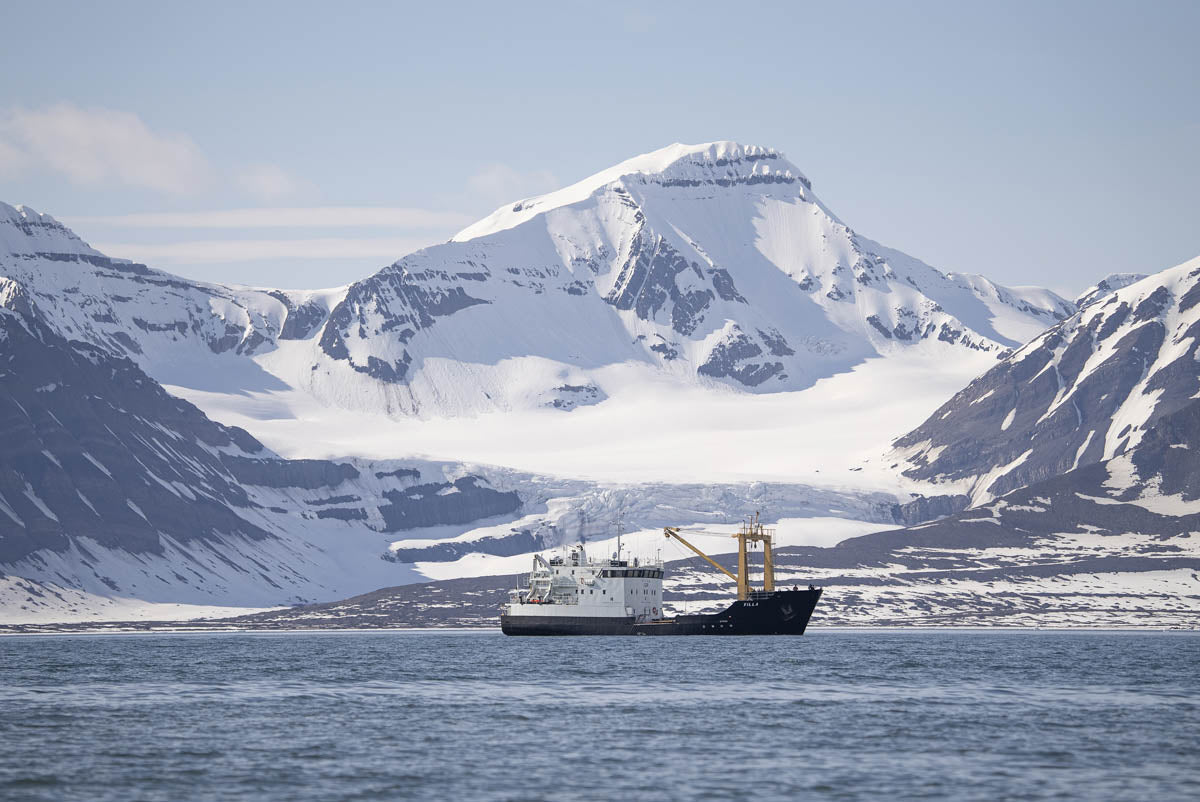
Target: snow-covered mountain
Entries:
(712, 262)
(707, 264)
(131, 310)
(1086, 390)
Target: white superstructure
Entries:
(574, 586)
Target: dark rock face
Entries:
(309, 474)
(569, 396)
(667, 351)
(909, 328)
(400, 473)
(650, 280)
(723, 283)
(519, 541)
(1050, 406)
(440, 503)
(302, 319)
(95, 448)
(775, 342)
(1171, 452)
(406, 301)
(344, 513)
(923, 508)
(878, 325)
(735, 357)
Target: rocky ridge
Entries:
(1085, 391)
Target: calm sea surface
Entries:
(832, 715)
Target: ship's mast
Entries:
(768, 558)
(754, 532)
(619, 512)
(743, 578)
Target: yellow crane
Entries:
(751, 532)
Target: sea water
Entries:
(411, 715)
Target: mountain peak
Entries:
(24, 231)
(723, 163)
(723, 157)
(1106, 286)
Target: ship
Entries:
(574, 594)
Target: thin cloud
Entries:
(386, 249)
(92, 146)
(104, 146)
(283, 217)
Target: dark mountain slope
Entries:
(95, 448)
(1086, 390)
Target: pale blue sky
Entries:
(1036, 143)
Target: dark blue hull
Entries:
(781, 612)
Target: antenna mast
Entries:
(620, 510)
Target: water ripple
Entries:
(834, 715)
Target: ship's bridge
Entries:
(575, 584)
